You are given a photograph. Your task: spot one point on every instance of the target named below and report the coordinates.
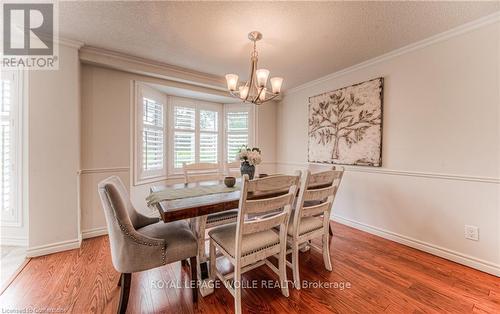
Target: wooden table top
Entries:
(191, 207)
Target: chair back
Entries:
(119, 213)
(268, 201)
(316, 196)
(114, 196)
(196, 172)
(232, 169)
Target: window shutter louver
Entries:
(5, 147)
(184, 136)
(209, 136)
(237, 132)
(152, 136)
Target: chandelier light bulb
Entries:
(232, 81)
(262, 95)
(243, 91)
(276, 83)
(262, 75)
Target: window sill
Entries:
(149, 180)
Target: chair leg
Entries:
(237, 289)
(282, 271)
(326, 253)
(194, 278)
(306, 247)
(213, 262)
(295, 265)
(125, 279)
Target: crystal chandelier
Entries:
(255, 89)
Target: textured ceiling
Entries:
(302, 40)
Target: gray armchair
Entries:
(139, 242)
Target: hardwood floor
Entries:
(384, 277)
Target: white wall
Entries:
(441, 146)
(106, 139)
(54, 155)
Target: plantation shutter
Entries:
(184, 135)
(237, 130)
(10, 137)
(6, 146)
(209, 136)
(152, 136)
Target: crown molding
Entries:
(459, 30)
(69, 42)
(137, 65)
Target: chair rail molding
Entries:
(408, 173)
(103, 170)
(459, 30)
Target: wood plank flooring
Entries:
(383, 276)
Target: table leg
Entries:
(204, 270)
(202, 267)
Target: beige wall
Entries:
(54, 155)
(441, 148)
(106, 138)
(266, 135)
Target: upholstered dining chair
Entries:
(311, 216)
(139, 242)
(249, 242)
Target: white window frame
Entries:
(251, 124)
(198, 105)
(15, 217)
(141, 176)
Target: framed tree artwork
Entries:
(345, 125)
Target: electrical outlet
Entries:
(472, 232)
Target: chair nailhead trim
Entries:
(163, 249)
(222, 219)
(249, 253)
(127, 233)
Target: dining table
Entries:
(197, 207)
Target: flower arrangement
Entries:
(251, 156)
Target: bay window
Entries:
(174, 130)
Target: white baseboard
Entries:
(451, 255)
(53, 248)
(95, 232)
(14, 241)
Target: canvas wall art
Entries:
(345, 125)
